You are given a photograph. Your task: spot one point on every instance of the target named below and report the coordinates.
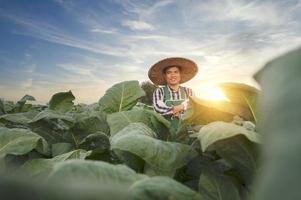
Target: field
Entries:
(119, 148)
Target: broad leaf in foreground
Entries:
(42, 167)
(280, 126)
(98, 172)
(235, 144)
(215, 131)
(162, 188)
(217, 187)
(17, 189)
(20, 141)
(121, 96)
(117, 121)
(140, 140)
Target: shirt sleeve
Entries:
(158, 103)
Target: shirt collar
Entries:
(171, 90)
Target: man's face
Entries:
(172, 76)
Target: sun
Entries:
(215, 94)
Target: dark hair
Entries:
(168, 67)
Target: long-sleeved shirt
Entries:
(158, 99)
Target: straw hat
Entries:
(188, 69)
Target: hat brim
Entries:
(188, 69)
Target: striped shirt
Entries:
(158, 99)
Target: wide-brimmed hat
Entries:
(188, 69)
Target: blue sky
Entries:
(51, 46)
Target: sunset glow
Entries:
(215, 94)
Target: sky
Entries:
(88, 46)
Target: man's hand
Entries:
(177, 110)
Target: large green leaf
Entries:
(156, 122)
(242, 94)
(16, 120)
(20, 141)
(18, 188)
(214, 186)
(94, 172)
(89, 122)
(62, 101)
(161, 188)
(42, 167)
(235, 144)
(242, 154)
(215, 131)
(162, 156)
(53, 126)
(204, 111)
(120, 97)
(50, 114)
(7, 106)
(280, 126)
(93, 123)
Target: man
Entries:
(171, 99)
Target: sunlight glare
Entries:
(215, 94)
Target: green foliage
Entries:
(242, 94)
(61, 102)
(162, 157)
(21, 105)
(204, 111)
(156, 122)
(95, 172)
(280, 126)
(216, 131)
(131, 146)
(216, 186)
(18, 120)
(40, 168)
(149, 89)
(2, 111)
(20, 141)
(120, 97)
(162, 188)
(60, 148)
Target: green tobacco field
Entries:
(119, 148)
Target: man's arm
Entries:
(159, 105)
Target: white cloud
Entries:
(144, 10)
(227, 39)
(98, 30)
(77, 69)
(137, 25)
(53, 34)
